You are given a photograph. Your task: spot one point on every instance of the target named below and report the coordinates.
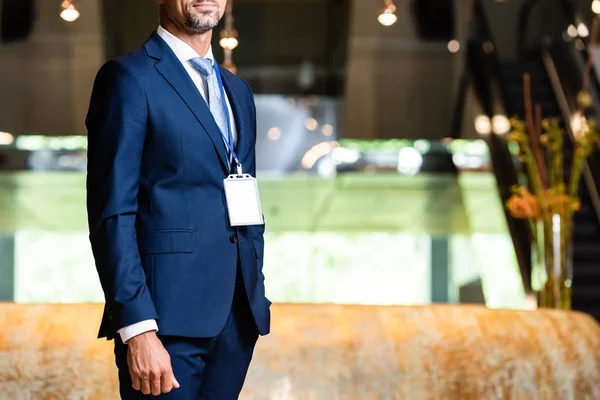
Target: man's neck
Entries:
(199, 42)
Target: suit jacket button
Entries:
(233, 238)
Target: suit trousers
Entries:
(206, 368)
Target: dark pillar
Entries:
(7, 267)
(440, 269)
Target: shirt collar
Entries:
(182, 50)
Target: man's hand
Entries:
(150, 365)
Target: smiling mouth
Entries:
(205, 4)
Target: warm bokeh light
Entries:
(596, 6)
(327, 130)
(500, 124)
(483, 125)
(274, 133)
(316, 152)
(311, 124)
(6, 138)
(583, 30)
(229, 43)
(453, 46)
(572, 31)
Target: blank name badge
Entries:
(243, 200)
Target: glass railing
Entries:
(361, 222)
(358, 238)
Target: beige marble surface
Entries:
(327, 352)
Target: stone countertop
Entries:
(326, 352)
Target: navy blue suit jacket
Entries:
(159, 228)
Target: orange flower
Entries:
(557, 199)
(562, 200)
(523, 204)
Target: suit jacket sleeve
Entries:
(116, 124)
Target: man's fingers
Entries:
(146, 389)
(166, 383)
(175, 383)
(136, 382)
(155, 378)
(150, 366)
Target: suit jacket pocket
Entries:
(166, 241)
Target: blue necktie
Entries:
(215, 103)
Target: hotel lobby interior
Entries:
(429, 174)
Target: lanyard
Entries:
(227, 139)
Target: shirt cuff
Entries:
(138, 328)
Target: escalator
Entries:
(586, 235)
(586, 258)
(567, 64)
(511, 79)
(556, 96)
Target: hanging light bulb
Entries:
(69, 11)
(483, 125)
(387, 16)
(229, 36)
(229, 39)
(583, 30)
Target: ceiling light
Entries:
(387, 15)
(500, 124)
(69, 11)
(583, 30)
(483, 125)
(229, 41)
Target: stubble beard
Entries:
(201, 22)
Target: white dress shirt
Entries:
(184, 54)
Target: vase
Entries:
(552, 264)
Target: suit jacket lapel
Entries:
(243, 145)
(172, 70)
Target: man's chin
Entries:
(200, 26)
(198, 30)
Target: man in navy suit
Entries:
(185, 297)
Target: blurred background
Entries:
(382, 152)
